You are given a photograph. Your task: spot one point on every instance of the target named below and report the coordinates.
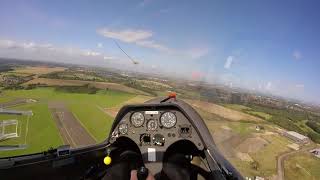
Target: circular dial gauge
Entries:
(168, 119)
(123, 128)
(137, 119)
(152, 125)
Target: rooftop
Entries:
(297, 135)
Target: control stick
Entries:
(142, 173)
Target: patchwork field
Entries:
(223, 111)
(253, 152)
(136, 100)
(99, 85)
(37, 70)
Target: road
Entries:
(283, 157)
(70, 128)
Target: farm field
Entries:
(99, 85)
(260, 114)
(302, 166)
(223, 111)
(254, 153)
(248, 110)
(237, 107)
(37, 70)
(136, 100)
(79, 118)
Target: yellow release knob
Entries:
(107, 160)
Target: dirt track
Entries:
(70, 129)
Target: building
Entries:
(294, 146)
(298, 138)
(235, 98)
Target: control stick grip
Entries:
(142, 173)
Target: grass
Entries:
(42, 132)
(96, 122)
(302, 166)
(87, 108)
(102, 98)
(5, 98)
(244, 168)
(237, 107)
(260, 114)
(37, 70)
(248, 110)
(267, 157)
(99, 85)
(242, 128)
(21, 129)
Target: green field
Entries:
(267, 157)
(302, 166)
(237, 107)
(248, 110)
(242, 128)
(5, 98)
(43, 133)
(260, 114)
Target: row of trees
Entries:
(290, 120)
(314, 126)
(69, 75)
(87, 89)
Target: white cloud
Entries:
(29, 45)
(297, 55)
(108, 57)
(196, 53)
(91, 53)
(143, 38)
(268, 86)
(100, 45)
(228, 63)
(128, 35)
(49, 52)
(153, 45)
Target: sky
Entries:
(268, 46)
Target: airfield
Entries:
(251, 143)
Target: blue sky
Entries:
(268, 46)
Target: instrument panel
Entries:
(155, 128)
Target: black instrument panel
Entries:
(155, 130)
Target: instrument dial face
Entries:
(168, 120)
(152, 125)
(123, 128)
(137, 119)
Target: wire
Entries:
(133, 61)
